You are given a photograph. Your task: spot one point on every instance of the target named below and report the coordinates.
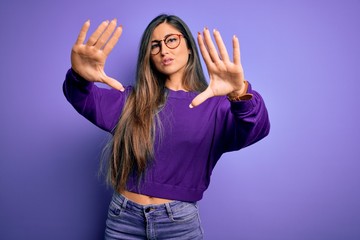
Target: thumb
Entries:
(114, 84)
(202, 97)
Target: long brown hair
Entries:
(131, 147)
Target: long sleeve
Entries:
(246, 123)
(101, 106)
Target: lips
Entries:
(167, 61)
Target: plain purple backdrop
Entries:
(301, 182)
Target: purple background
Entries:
(301, 182)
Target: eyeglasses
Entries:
(172, 41)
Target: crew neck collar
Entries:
(180, 93)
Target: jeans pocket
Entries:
(187, 212)
(114, 210)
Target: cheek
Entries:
(156, 63)
(184, 52)
(185, 56)
(154, 60)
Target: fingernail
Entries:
(214, 31)
(191, 106)
(199, 33)
(205, 29)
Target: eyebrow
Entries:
(164, 37)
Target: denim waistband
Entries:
(172, 206)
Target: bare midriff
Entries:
(144, 199)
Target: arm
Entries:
(100, 106)
(246, 120)
(246, 123)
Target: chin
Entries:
(167, 71)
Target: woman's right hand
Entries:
(88, 59)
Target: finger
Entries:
(203, 50)
(221, 46)
(210, 46)
(83, 32)
(106, 34)
(236, 51)
(202, 97)
(114, 84)
(95, 36)
(113, 40)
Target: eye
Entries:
(156, 45)
(171, 39)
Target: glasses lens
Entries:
(172, 41)
(155, 48)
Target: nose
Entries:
(163, 48)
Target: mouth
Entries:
(167, 61)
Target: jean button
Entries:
(147, 210)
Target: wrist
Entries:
(241, 94)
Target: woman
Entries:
(170, 129)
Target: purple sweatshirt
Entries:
(192, 140)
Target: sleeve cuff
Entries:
(78, 80)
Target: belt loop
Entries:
(168, 210)
(123, 205)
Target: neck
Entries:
(174, 83)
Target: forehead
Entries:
(162, 30)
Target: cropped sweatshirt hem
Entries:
(167, 191)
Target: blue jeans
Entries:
(173, 220)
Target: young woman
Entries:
(169, 129)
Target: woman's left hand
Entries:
(226, 76)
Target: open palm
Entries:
(88, 59)
(226, 76)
